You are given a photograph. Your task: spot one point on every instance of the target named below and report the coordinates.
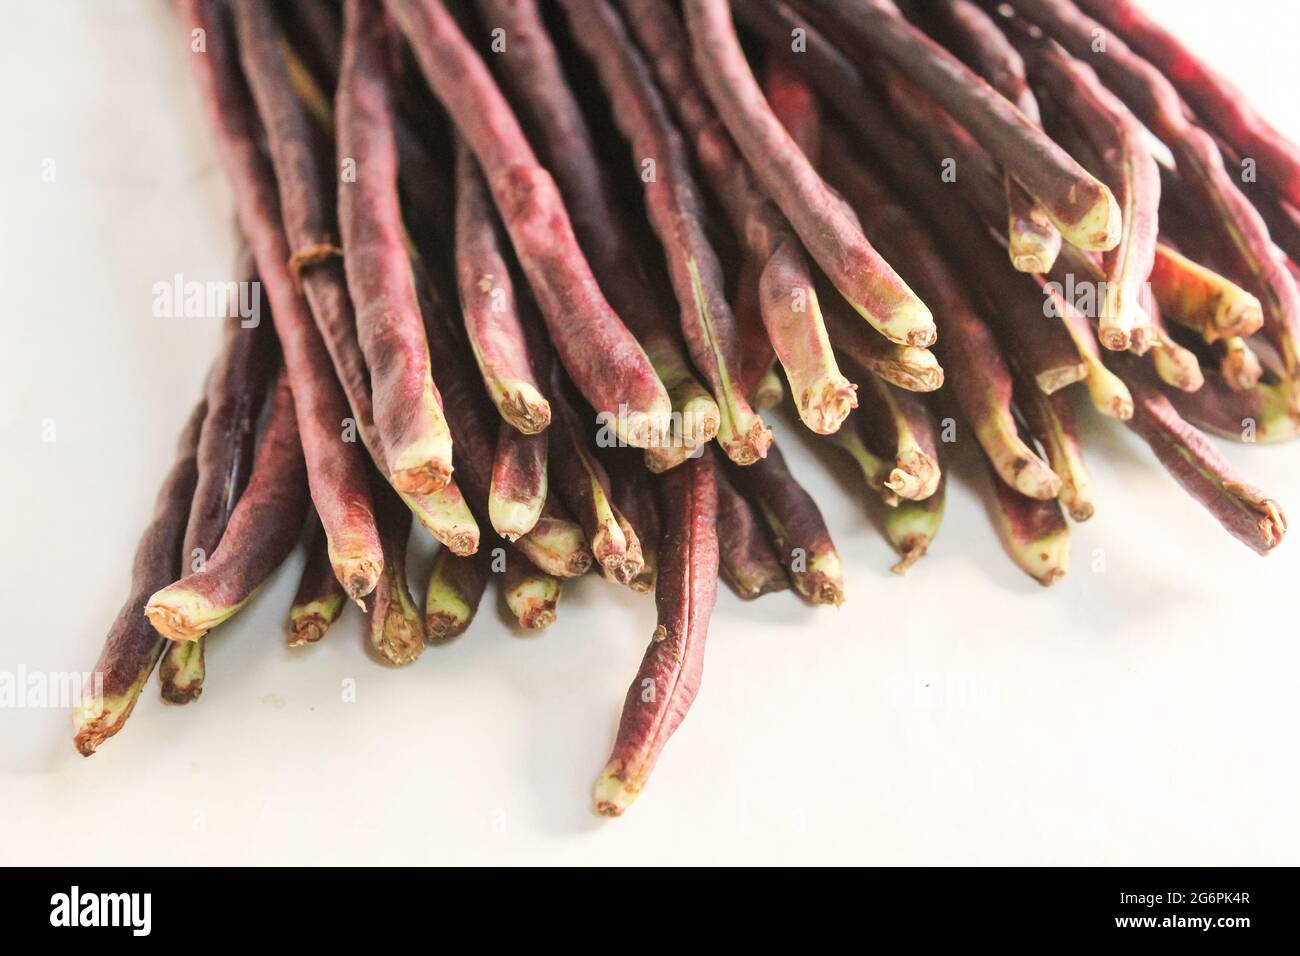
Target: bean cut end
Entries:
(613, 794)
(180, 614)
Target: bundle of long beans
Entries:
(486, 235)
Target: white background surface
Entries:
(1144, 713)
